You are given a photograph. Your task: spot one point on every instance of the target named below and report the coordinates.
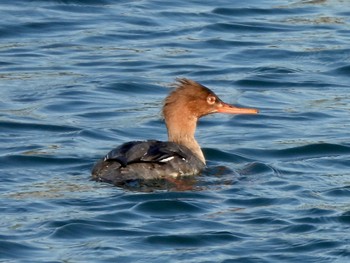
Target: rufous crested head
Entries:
(196, 100)
(188, 102)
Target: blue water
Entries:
(78, 78)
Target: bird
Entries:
(181, 155)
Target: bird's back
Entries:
(146, 160)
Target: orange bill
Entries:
(231, 109)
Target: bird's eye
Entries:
(211, 100)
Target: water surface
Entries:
(81, 77)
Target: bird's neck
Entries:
(181, 130)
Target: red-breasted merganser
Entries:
(181, 154)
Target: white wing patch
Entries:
(167, 159)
